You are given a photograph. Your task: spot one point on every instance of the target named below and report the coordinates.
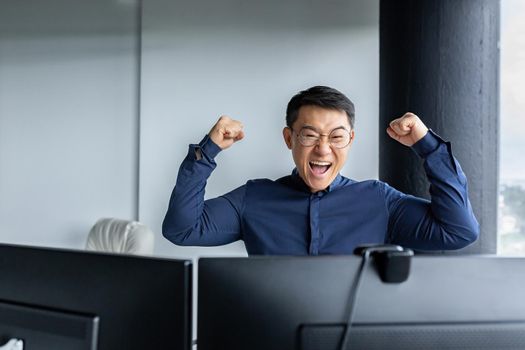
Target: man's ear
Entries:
(352, 137)
(287, 135)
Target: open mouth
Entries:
(319, 168)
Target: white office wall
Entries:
(69, 143)
(205, 58)
(68, 118)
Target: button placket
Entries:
(315, 200)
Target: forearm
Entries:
(449, 198)
(185, 207)
(447, 221)
(185, 221)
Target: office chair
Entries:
(120, 236)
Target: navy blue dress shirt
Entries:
(284, 217)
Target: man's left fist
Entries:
(407, 130)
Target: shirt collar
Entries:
(298, 181)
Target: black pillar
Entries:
(440, 60)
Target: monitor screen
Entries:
(302, 303)
(41, 328)
(140, 302)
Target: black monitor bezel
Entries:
(141, 301)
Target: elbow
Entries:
(168, 233)
(474, 233)
(467, 236)
(177, 238)
(173, 235)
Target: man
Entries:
(315, 210)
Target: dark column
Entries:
(440, 60)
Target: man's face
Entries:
(318, 165)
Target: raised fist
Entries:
(226, 132)
(407, 130)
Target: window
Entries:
(511, 221)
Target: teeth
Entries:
(320, 163)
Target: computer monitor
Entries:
(302, 303)
(33, 327)
(140, 302)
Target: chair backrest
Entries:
(121, 236)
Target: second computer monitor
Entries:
(302, 303)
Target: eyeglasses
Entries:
(338, 138)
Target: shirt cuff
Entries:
(208, 147)
(428, 144)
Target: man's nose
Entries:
(323, 145)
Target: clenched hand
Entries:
(226, 132)
(407, 130)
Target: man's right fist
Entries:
(226, 131)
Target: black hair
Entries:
(322, 96)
